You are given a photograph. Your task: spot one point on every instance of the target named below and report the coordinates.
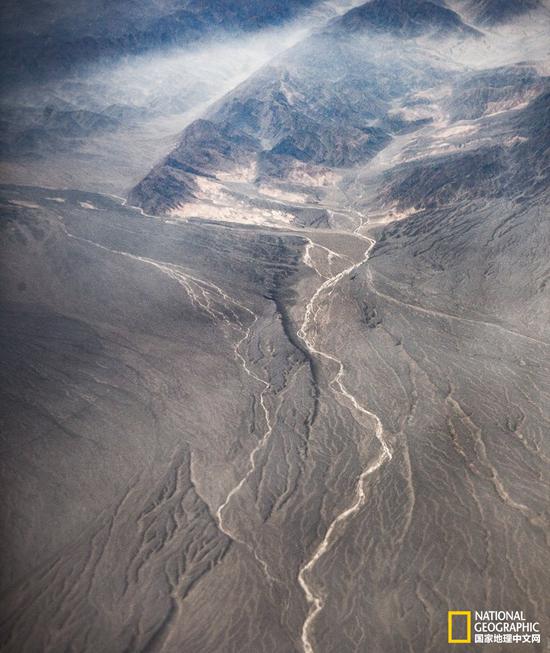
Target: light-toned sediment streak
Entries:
(204, 294)
(449, 316)
(330, 254)
(308, 260)
(208, 297)
(307, 334)
(253, 454)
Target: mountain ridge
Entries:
(404, 18)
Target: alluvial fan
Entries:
(275, 327)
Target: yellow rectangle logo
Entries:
(460, 613)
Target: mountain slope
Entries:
(48, 39)
(288, 121)
(493, 12)
(404, 18)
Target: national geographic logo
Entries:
(491, 627)
(459, 621)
